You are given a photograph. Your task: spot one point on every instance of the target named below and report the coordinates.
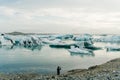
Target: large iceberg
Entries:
(28, 40)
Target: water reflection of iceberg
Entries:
(61, 45)
(112, 48)
(9, 47)
(82, 55)
(35, 47)
(13, 47)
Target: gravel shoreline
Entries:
(108, 71)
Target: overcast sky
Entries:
(60, 16)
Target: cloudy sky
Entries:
(60, 16)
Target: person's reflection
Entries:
(12, 47)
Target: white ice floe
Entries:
(50, 41)
(79, 50)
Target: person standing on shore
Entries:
(58, 70)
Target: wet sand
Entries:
(107, 71)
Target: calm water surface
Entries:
(43, 59)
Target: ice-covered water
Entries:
(44, 59)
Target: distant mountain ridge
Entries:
(21, 33)
(16, 33)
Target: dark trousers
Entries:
(58, 72)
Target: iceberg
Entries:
(4, 40)
(85, 37)
(62, 36)
(109, 38)
(67, 36)
(61, 45)
(87, 44)
(20, 40)
(36, 40)
(90, 45)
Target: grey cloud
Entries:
(89, 4)
(73, 16)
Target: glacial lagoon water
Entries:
(44, 59)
